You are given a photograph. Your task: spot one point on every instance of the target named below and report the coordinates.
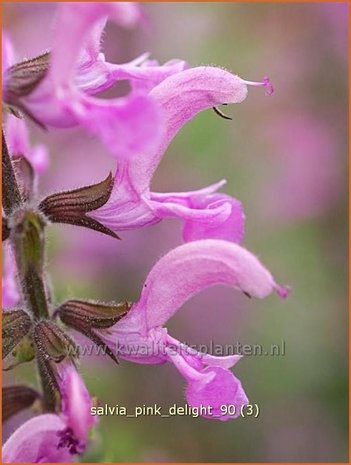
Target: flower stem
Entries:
(28, 241)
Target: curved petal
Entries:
(194, 266)
(36, 441)
(199, 359)
(205, 215)
(181, 96)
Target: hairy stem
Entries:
(28, 241)
(11, 196)
(49, 397)
(34, 291)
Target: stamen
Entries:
(264, 83)
(220, 113)
(282, 291)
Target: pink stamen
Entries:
(264, 83)
(283, 291)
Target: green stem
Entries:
(34, 291)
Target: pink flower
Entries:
(140, 336)
(10, 289)
(76, 404)
(17, 138)
(65, 80)
(52, 438)
(36, 441)
(205, 213)
(8, 56)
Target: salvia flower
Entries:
(52, 438)
(76, 404)
(205, 212)
(56, 88)
(141, 337)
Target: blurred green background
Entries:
(285, 158)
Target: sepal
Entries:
(16, 324)
(22, 79)
(94, 314)
(71, 207)
(5, 229)
(52, 343)
(53, 348)
(17, 398)
(87, 316)
(25, 176)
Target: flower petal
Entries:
(194, 266)
(222, 397)
(149, 74)
(62, 98)
(78, 20)
(214, 390)
(8, 55)
(17, 136)
(181, 96)
(37, 440)
(18, 142)
(200, 359)
(127, 126)
(205, 216)
(76, 402)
